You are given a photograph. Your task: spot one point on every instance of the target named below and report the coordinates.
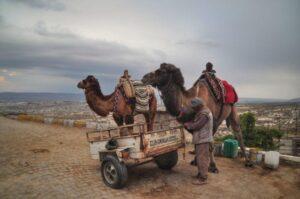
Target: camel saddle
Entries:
(215, 86)
(127, 87)
(222, 91)
(136, 93)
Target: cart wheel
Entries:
(167, 161)
(114, 172)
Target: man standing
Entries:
(202, 127)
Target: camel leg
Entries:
(118, 119)
(235, 125)
(150, 116)
(129, 119)
(149, 123)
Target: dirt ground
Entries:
(43, 161)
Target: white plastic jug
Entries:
(272, 159)
(259, 158)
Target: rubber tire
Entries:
(167, 161)
(121, 170)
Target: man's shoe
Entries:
(199, 182)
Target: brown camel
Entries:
(170, 82)
(115, 102)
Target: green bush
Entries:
(266, 138)
(259, 136)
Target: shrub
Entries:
(259, 136)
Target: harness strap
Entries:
(116, 100)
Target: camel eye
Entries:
(84, 81)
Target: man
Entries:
(209, 70)
(202, 127)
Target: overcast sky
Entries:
(49, 45)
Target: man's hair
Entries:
(208, 64)
(196, 102)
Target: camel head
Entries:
(165, 74)
(89, 82)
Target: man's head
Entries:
(197, 103)
(209, 66)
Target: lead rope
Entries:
(116, 99)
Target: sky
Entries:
(50, 45)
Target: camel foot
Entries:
(249, 163)
(213, 168)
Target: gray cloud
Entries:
(42, 4)
(58, 32)
(198, 43)
(252, 44)
(65, 54)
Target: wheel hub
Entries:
(110, 173)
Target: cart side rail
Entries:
(116, 132)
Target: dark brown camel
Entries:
(170, 82)
(104, 104)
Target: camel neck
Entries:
(172, 98)
(99, 103)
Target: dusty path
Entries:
(42, 161)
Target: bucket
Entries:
(259, 157)
(230, 149)
(272, 159)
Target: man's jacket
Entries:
(202, 126)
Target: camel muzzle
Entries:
(80, 85)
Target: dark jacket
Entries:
(201, 126)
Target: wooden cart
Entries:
(134, 146)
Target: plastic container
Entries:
(272, 159)
(259, 157)
(230, 149)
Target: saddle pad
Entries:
(141, 97)
(231, 96)
(216, 86)
(127, 87)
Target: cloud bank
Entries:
(51, 45)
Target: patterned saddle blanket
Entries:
(142, 96)
(137, 94)
(216, 86)
(220, 89)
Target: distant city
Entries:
(45, 96)
(273, 113)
